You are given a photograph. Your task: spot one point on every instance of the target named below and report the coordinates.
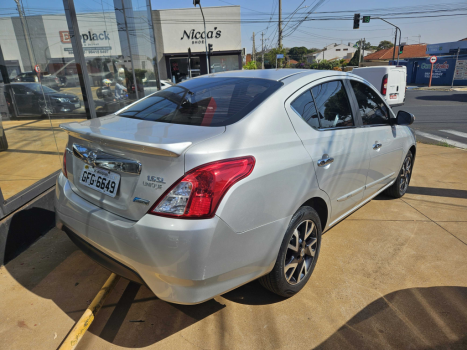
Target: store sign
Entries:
(99, 35)
(460, 73)
(178, 37)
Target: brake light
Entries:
(198, 193)
(384, 85)
(64, 165)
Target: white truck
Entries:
(390, 81)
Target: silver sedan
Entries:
(226, 178)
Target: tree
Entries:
(271, 56)
(366, 45)
(297, 53)
(313, 49)
(354, 60)
(385, 44)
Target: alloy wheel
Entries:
(406, 172)
(300, 252)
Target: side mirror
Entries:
(29, 93)
(404, 118)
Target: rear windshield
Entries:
(204, 101)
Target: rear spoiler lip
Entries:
(168, 150)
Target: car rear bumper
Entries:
(181, 261)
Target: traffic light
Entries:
(366, 19)
(210, 49)
(356, 21)
(189, 53)
(401, 49)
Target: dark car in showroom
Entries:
(47, 79)
(29, 98)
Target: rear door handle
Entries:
(325, 160)
(377, 146)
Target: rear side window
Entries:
(204, 101)
(305, 108)
(333, 105)
(372, 109)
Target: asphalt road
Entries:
(441, 116)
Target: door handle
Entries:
(377, 146)
(325, 160)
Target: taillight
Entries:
(384, 85)
(64, 165)
(199, 192)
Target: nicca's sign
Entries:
(198, 37)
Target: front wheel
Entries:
(297, 256)
(399, 188)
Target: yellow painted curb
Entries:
(85, 321)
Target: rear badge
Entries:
(141, 200)
(154, 182)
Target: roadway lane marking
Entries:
(441, 139)
(457, 133)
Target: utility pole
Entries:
(253, 52)
(25, 32)
(280, 24)
(359, 52)
(363, 51)
(262, 50)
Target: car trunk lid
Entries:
(147, 157)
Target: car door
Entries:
(384, 145)
(24, 98)
(324, 120)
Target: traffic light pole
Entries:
(395, 39)
(205, 38)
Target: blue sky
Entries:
(321, 33)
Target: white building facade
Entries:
(178, 30)
(332, 52)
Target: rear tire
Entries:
(400, 186)
(297, 256)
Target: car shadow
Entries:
(415, 318)
(445, 97)
(438, 192)
(253, 294)
(132, 316)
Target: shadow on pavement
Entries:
(252, 294)
(416, 318)
(438, 192)
(447, 97)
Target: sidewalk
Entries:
(392, 275)
(437, 88)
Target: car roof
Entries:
(284, 75)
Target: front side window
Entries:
(305, 108)
(373, 110)
(333, 105)
(204, 101)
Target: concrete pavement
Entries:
(392, 275)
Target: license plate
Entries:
(393, 96)
(101, 180)
(77, 105)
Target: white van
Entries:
(390, 81)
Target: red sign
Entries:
(37, 68)
(433, 59)
(65, 36)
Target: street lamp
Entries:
(197, 2)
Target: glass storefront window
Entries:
(224, 63)
(41, 88)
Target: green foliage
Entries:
(328, 65)
(354, 60)
(366, 45)
(297, 53)
(271, 56)
(385, 44)
(313, 49)
(250, 65)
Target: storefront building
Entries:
(178, 30)
(67, 62)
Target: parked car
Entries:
(46, 79)
(223, 179)
(29, 99)
(390, 80)
(150, 86)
